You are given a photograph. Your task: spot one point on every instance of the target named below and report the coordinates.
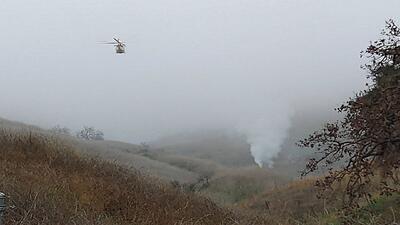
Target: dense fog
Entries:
(234, 64)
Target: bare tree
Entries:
(90, 133)
(144, 147)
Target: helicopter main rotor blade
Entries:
(117, 40)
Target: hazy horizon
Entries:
(189, 64)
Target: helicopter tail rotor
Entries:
(109, 43)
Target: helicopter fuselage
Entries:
(119, 49)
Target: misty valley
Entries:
(226, 112)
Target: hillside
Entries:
(222, 147)
(297, 201)
(127, 155)
(124, 154)
(292, 159)
(231, 187)
(49, 181)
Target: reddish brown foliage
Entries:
(367, 140)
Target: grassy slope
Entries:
(298, 204)
(231, 187)
(117, 152)
(221, 147)
(48, 183)
(127, 155)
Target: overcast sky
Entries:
(189, 64)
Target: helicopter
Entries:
(119, 45)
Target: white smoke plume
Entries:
(266, 135)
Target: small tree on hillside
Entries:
(90, 133)
(144, 147)
(365, 145)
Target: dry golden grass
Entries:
(232, 186)
(297, 203)
(127, 155)
(201, 167)
(47, 183)
(297, 198)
